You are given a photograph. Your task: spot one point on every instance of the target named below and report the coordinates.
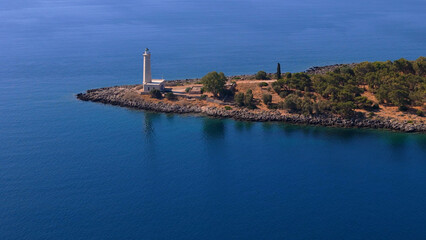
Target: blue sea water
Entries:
(80, 170)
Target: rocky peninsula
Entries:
(130, 96)
(380, 95)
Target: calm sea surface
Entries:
(79, 170)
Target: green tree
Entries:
(322, 107)
(404, 66)
(363, 103)
(214, 82)
(347, 70)
(299, 81)
(288, 74)
(420, 66)
(382, 94)
(344, 96)
(155, 93)
(331, 92)
(267, 99)
(261, 75)
(239, 99)
(306, 106)
(292, 102)
(399, 97)
(278, 71)
(344, 109)
(170, 96)
(248, 99)
(363, 68)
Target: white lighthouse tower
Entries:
(147, 78)
(149, 83)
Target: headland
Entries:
(312, 97)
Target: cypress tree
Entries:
(278, 71)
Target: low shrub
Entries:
(284, 94)
(203, 97)
(281, 105)
(402, 108)
(226, 93)
(299, 93)
(267, 99)
(188, 89)
(419, 113)
(276, 88)
(263, 84)
(228, 108)
(273, 106)
(375, 106)
(170, 96)
(155, 93)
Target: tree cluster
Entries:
(245, 100)
(214, 82)
(399, 83)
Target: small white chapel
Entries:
(149, 83)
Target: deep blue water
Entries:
(79, 170)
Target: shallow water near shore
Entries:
(80, 170)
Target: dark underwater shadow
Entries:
(242, 126)
(170, 116)
(395, 139)
(213, 128)
(421, 141)
(267, 126)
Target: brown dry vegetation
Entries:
(244, 85)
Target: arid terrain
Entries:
(384, 111)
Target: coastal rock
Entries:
(119, 95)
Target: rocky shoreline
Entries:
(122, 96)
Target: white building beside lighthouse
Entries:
(149, 83)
